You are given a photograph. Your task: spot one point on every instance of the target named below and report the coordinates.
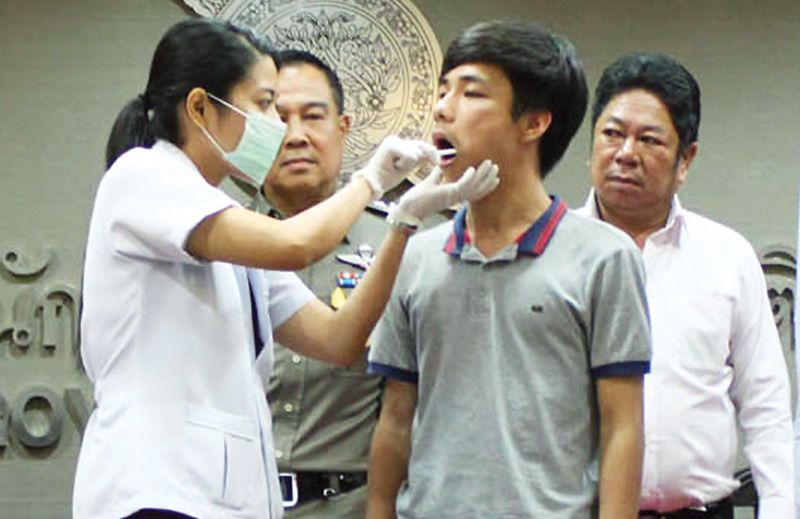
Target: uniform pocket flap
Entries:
(233, 424)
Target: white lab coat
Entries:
(181, 421)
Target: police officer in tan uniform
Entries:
(323, 415)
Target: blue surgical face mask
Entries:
(258, 147)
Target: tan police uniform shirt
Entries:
(324, 415)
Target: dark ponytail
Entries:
(131, 129)
(196, 52)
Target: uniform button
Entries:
(296, 359)
(288, 408)
(279, 454)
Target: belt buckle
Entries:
(290, 485)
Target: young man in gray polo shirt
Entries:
(517, 336)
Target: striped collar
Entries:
(532, 242)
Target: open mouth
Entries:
(447, 151)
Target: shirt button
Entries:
(279, 454)
(288, 408)
(296, 359)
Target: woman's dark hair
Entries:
(197, 52)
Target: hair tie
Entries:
(148, 109)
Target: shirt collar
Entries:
(169, 149)
(264, 206)
(532, 242)
(675, 220)
(676, 214)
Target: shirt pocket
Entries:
(223, 454)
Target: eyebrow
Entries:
(648, 128)
(465, 78)
(268, 90)
(316, 104)
(325, 105)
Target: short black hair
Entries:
(665, 78)
(543, 69)
(295, 56)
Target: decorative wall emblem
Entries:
(780, 268)
(384, 52)
(38, 352)
(25, 263)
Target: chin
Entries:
(454, 171)
(297, 178)
(618, 201)
(451, 175)
(295, 170)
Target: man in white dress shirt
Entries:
(716, 353)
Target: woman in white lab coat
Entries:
(181, 427)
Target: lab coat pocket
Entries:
(230, 453)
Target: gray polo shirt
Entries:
(505, 352)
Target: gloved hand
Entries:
(393, 160)
(429, 196)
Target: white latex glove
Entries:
(393, 160)
(429, 196)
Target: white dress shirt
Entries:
(716, 357)
(181, 421)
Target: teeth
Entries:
(447, 153)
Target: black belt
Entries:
(720, 509)
(300, 487)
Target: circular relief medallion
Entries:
(384, 52)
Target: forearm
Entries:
(620, 472)
(322, 227)
(340, 337)
(621, 445)
(243, 237)
(348, 329)
(388, 467)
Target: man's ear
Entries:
(344, 124)
(685, 161)
(195, 105)
(534, 124)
